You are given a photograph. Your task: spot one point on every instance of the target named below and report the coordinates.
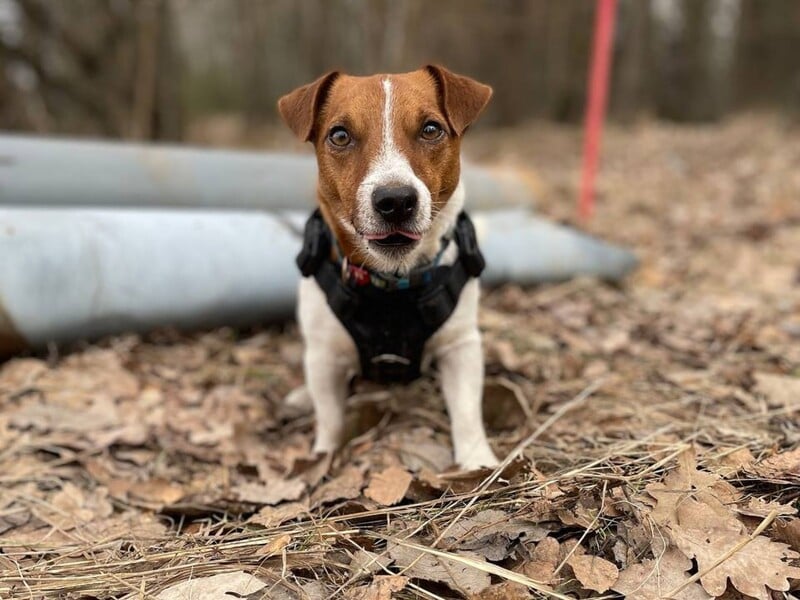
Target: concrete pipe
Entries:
(70, 274)
(51, 172)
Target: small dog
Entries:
(390, 259)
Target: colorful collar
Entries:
(356, 276)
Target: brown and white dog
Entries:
(388, 154)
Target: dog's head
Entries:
(388, 152)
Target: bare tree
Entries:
(95, 64)
(134, 68)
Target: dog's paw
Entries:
(477, 457)
(324, 446)
(299, 398)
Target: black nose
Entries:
(395, 203)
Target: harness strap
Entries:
(390, 326)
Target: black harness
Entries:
(389, 318)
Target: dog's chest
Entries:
(328, 340)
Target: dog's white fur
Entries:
(331, 357)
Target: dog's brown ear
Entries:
(463, 98)
(299, 108)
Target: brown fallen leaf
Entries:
(594, 573)
(419, 449)
(757, 507)
(695, 510)
(686, 482)
(344, 486)
(544, 560)
(508, 590)
(491, 532)
(364, 561)
(382, 587)
(214, 587)
(781, 391)
(457, 575)
(782, 467)
(274, 492)
(157, 491)
(733, 462)
(314, 590)
(72, 507)
(753, 568)
(654, 579)
(273, 516)
(275, 546)
(789, 532)
(389, 486)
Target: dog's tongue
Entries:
(383, 236)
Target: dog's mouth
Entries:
(393, 239)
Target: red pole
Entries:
(596, 105)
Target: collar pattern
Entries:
(358, 276)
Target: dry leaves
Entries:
(344, 486)
(381, 588)
(655, 579)
(593, 572)
(784, 467)
(272, 492)
(694, 508)
(492, 533)
(545, 559)
(458, 575)
(214, 587)
(388, 486)
(273, 516)
(781, 391)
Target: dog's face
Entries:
(388, 152)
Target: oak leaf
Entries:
(344, 486)
(457, 575)
(593, 572)
(214, 587)
(492, 533)
(752, 568)
(389, 486)
(654, 579)
(381, 588)
(544, 560)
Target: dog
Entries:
(388, 243)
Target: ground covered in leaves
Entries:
(651, 428)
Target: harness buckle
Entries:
(391, 367)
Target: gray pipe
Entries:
(69, 274)
(50, 172)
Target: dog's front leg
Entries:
(461, 373)
(326, 381)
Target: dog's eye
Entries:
(431, 131)
(339, 136)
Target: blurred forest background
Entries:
(153, 69)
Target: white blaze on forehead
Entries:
(390, 166)
(387, 140)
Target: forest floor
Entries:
(656, 421)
